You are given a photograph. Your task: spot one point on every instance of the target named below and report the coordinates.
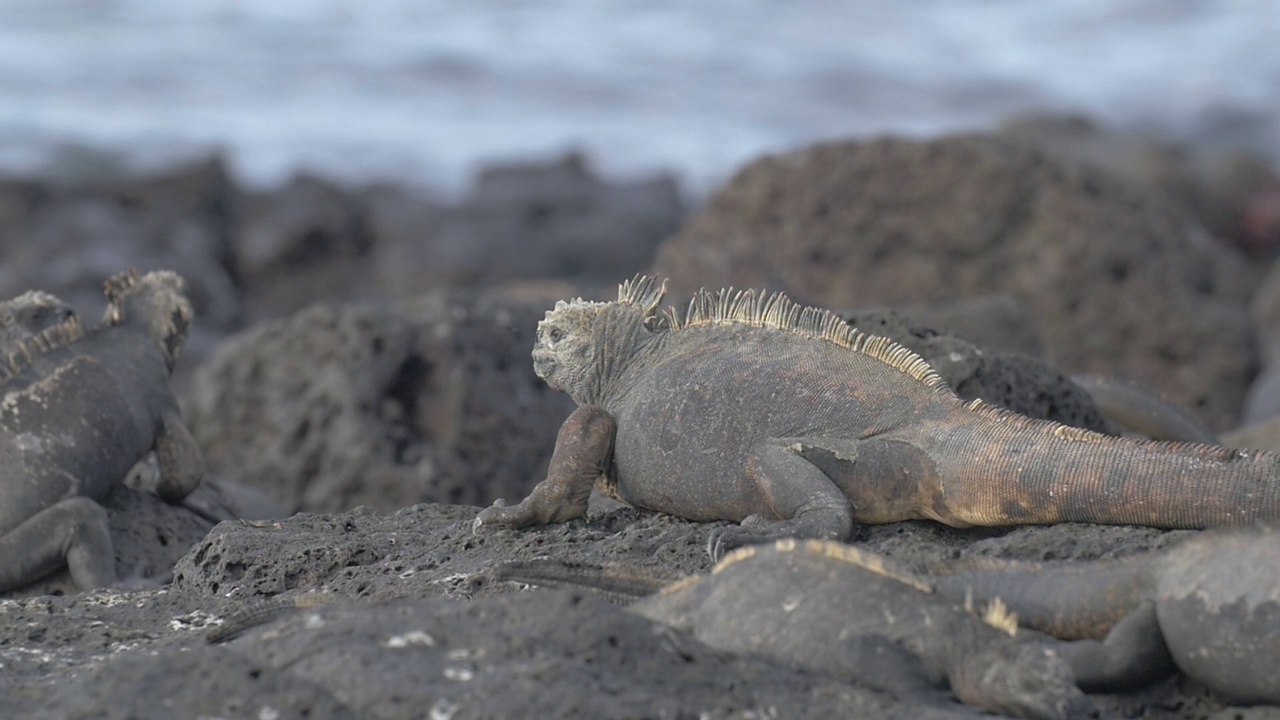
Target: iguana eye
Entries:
(555, 335)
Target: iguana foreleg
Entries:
(72, 533)
(584, 449)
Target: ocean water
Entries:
(423, 90)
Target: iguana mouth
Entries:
(543, 366)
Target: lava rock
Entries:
(383, 405)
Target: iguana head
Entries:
(29, 314)
(580, 342)
(156, 301)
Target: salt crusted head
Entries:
(157, 301)
(571, 354)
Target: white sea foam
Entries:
(424, 89)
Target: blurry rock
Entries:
(1118, 284)
(382, 405)
(1263, 400)
(531, 220)
(1233, 193)
(305, 242)
(1018, 382)
(996, 323)
(1260, 435)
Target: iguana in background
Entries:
(831, 607)
(78, 407)
(752, 408)
(28, 315)
(1210, 604)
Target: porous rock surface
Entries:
(1119, 283)
(381, 404)
(412, 625)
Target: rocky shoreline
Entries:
(361, 363)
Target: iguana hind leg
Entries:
(797, 500)
(72, 533)
(584, 449)
(1133, 654)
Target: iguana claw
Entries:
(753, 530)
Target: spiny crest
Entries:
(836, 551)
(168, 287)
(642, 291)
(759, 309)
(996, 614)
(117, 287)
(25, 352)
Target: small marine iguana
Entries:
(28, 315)
(828, 606)
(78, 407)
(752, 408)
(1210, 604)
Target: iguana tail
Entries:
(619, 585)
(1070, 601)
(995, 467)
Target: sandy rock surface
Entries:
(411, 625)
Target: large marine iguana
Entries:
(752, 408)
(828, 606)
(78, 407)
(1210, 604)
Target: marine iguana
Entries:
(1210, 604)
(78, 407)
(752, 408)
(828, 606)
(28, 315)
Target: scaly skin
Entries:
(830, 607)
(783, 418)
(78, 407)
(1210, 604)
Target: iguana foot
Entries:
(755, 530)
(583, 448)
(1026, 680)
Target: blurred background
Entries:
(423, 90)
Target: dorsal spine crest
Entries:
(756, 308)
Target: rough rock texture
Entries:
(412, 626)
(1119, 284)
(1021, 383)
(1231, 192)
(381, 404)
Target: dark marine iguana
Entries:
(1210, 604)
(78, 407)
(28, 315)
(752, 408)
(830, 607)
